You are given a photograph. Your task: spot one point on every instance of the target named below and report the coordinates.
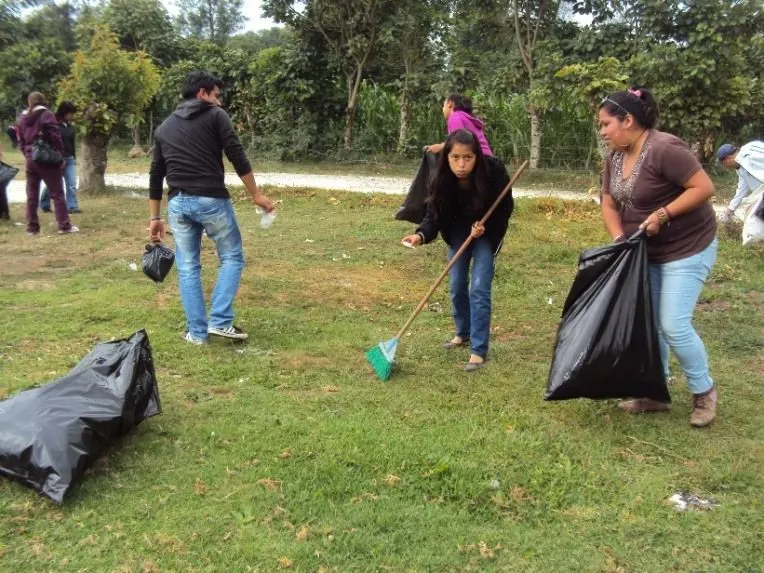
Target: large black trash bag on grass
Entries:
(607, 341)
(414, 206)
(50, 435)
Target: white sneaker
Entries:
(188, 338)
(71, 229)
(228, 332)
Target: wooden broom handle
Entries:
(461, 250)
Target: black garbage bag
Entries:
(157, 261)
(414, 206)
(50, 435)
(7, 172)
(607, 341)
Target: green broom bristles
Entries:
(382, 358)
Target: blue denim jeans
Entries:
(70, 179)
(471, 299)
(675, 288)
(189, 215)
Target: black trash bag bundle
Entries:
(607, 341)
(414, 206)
(7, 172)
(50, 435)
(157, 261)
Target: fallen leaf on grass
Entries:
(330, 389)
(200, 488)
(285, 563)
(364, 496)
(285, 454)
(392, 480)
(303, 533)
(271, 484)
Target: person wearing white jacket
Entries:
(748, 161)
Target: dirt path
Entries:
(357, 183)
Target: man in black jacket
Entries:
(188, 152)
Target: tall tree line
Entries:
(344, 77)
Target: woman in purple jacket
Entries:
(39, 122)
(457, 110)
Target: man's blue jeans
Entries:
(189, 215)
(70, 179)
(675, 288)
(471, 299)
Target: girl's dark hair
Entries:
(461, 102)
(639, 102)
(65, 107)
(443, 184)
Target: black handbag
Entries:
(44, 153)
(7, 172)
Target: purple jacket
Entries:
(39, 121)
(462, 120)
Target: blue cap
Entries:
(724, 150)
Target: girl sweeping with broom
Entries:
(462, 189)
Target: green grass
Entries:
(287, 452)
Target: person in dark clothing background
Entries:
(40, 123)
(189, 153)
(64, 115)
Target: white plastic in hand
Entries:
(408, 244)
(267, 219)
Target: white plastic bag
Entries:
(753, 225)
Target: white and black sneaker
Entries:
(231, 332)
(189, 338)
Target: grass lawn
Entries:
(286, 453)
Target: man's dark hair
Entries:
(198, 80)
(65, 107)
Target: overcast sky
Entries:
(251, 10)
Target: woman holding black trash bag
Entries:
(652, 181)
(40, 141)
(462, 189)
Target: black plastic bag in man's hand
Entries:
(607, 341)
(50, 435)
(157, 261)
(414, 206)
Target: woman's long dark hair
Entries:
(444, 185)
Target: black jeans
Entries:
(4, 211)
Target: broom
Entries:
(382, 356)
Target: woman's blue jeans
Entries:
(471, 297)
(675, 288)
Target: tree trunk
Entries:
(94, 149)
(136, 129)
(403, 133)
(354, 86)
(535, 138)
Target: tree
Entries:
(144, 25)
(351, 30)
(30, 66)
(53, 21)
(108, 85)
(214, 20)
(531, 20)
(409, 38)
